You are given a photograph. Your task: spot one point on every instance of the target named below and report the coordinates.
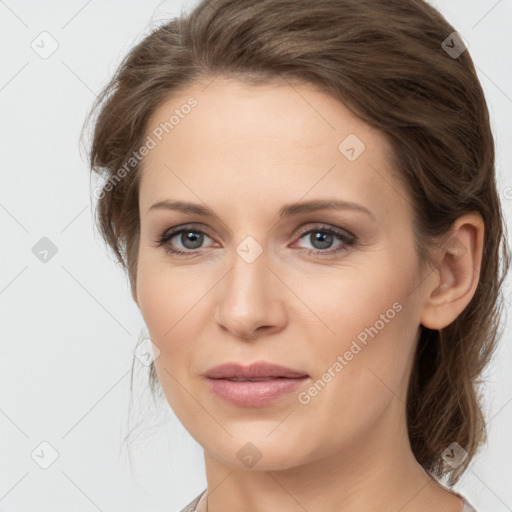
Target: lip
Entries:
(279, 381)
(260, 369)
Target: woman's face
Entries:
(334, 293)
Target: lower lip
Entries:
(254, 394)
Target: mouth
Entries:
(259, 370)
(256, 385)
(261, 379)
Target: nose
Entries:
(250, 300)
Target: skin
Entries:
(245, 151)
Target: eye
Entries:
(190, 238)
(320, 236)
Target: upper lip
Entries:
(254, 371)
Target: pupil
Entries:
(191, 236)
(325, 240)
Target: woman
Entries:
(303, 195)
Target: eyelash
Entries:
(348, 240)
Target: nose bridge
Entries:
(247, 282)
(248, 298)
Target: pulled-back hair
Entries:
(387, 61)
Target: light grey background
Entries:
(69, 325)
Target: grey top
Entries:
(191, 507)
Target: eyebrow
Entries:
(287, 210)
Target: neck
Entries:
(376, 472)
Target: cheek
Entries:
(362, 373)
(371, 341)
(171, 301)
(164, 305)
(359, 304)
(373, 322)
(153, 298)
(167, 296)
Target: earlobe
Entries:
(457, 273)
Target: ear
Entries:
(457, 274)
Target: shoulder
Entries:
(467, 506)
(191, 507)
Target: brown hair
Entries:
(385, 60)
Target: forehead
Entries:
(269, 141)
